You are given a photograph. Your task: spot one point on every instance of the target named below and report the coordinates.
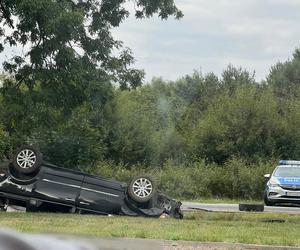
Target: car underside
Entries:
(29, 182)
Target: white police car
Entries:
(283, 185)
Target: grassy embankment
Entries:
(197, 226)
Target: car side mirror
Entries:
(267, 177)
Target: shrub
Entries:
(4, 143)
(235, 179)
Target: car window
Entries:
(287, 171)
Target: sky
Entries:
(254, 34)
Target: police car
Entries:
(283, 184)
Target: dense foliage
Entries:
(235, 179)
(67, 71)
(220, 135)
(74, 94)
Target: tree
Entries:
(71, 62)
(197, 91)
(76, 142)
(233, 77)
(289, 138)
(285, 78)
(4, 143)
(70, 42)
(244, 124)
(144, 125)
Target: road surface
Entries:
(235, 208)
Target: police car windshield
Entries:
(285, 171)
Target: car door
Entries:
(58, 185)
(101, 195)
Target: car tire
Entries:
(267, 202)
(251, 207)
(27, 159)
(141, 189)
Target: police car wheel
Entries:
(267, 202)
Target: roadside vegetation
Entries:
(236, 179)
(249, 228)
(201, 136)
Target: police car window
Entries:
(287, 171)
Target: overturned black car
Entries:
(29, 182)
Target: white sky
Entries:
(254, 34)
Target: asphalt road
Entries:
(235, 208)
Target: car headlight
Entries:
(273, 185)
(273, 182)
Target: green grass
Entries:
(197, 226)
(226, 201)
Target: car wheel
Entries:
(267, 202)
(27, 159)
(141, 189)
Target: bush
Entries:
(4, 143)
(236, 179)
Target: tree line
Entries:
(193, 119)
(74, 93)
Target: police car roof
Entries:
(289, 162)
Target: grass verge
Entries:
(197, 226)
(225, 201)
